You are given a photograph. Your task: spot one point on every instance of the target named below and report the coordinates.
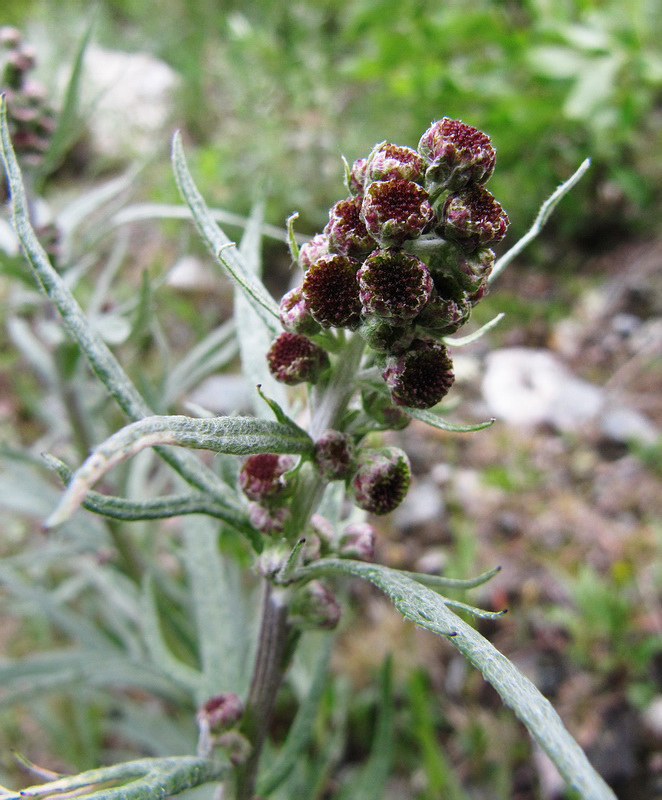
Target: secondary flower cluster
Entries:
(31, 119)
(402, 261)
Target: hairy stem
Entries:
(270, 665)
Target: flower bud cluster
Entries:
(31, 119)
(405, 257)
(263, 479)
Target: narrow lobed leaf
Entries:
(430, 418)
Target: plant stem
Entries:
(270, 665)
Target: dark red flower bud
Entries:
(295, 315)
(388, 161)
(331, 289)
(395, 210)
(346, 230)
(315, 606)
(474, 218)
(311, 251)
(333, 455)
(421, 376)
(220, 712)
(394, 284)
(295, 359)
(457, 154)
(357, 541)
(381, 480)
(262, 476)
(387, 336)
(356, 177)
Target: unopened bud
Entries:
(311, 251)
(421, 376)
(388, 161)
(296, 359)
(387, 336)
(333, 455)
(443, 316)
(356, 177)
(474, 218)
(268, 520)
(295, 315)
(262, 475)
(314, 606)
(381, 480)
(357, 541)
(346, 230)
(456, 154)
(220, 712)
(388, 416)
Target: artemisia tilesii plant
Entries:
(369, 332)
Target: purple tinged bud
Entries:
(268, 520)
(381, 409)
(333, 455)
(357, 541)
(356, 177)
(220, 712)
(456, 154)
(381, 480)
(346, 230)
(474, 218)
(262, 476)
(443, 316)
(421, 376)
(295, 315)
(388, 161)
(295, 359)
(394, 284)
(331, 289)
(474, 269)
(395, 210)
(311, 251)
(314, 606)
(387, 336)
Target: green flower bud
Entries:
(314, 606)
(381, 480)
(394, 285)
(387, 336)
(395, 210)
(388, 416)
(356, 177)
(295, 359)
(421, 376)
(311, 251)
(262, 476)
(333, 455)
(331, 289)
(346, 230)
(295, 315)
(389, 161)
(474, 218)
(443, 316)
(456, 155)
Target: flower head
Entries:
(262, 475)
(474, 218)
(357, 541)
(346, 230)
(295, 359)
(331, 290)
(381, 480)
(395, 210)
(394, 284)
(444, 315)
(356, 177)
(421, 376)
(456, 154)
(388, 161)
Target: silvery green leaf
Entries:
(221, 248)
(430, 418)
(470, 338)
(236, 435)
(145, 779)
(430, 610)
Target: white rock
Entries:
(529, 387)
(131, 102)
